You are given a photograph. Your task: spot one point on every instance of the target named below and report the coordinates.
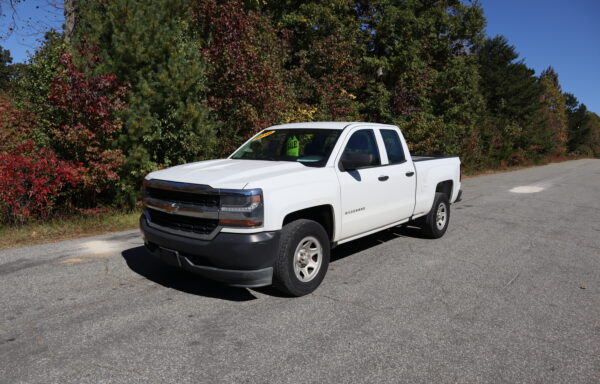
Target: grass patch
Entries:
(70, 227)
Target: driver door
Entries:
(363, 198)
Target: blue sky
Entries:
(564, 34)
(31, 19)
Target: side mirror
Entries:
(355, 160)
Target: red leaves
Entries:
(82, 110)
(15, 125)
(31, 180)
(248, 84)
(89, 107)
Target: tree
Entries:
(583, 128)
(578, 123)
(5, 70)
(324, 58)
(513, 129)
(554, 110)
(32, 178)
(419, 72)
(84, 111)
(33, 85)
(149, 45)
(249, 88)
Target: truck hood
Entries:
(228, 173)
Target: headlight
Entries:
(241, 208)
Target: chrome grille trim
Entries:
(181, 208)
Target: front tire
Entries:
(435, 223)
(303, 258)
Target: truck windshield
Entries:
(310, 147)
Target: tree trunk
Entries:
(70, 19)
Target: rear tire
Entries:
(435, 223)
(303, 258)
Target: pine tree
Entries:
(149, 45)
(5, 71)
(513, 130)
(419, 71)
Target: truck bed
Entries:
(429, 174)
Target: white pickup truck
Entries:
(271, 212)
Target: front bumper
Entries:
(237, 259)
(459, 197)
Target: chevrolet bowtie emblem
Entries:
(172, 208)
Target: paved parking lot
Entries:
(510, 294)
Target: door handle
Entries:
(409, 174)
(383, 178)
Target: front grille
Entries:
(206, 200)
(183, 223)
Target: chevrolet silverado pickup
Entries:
(271, 212)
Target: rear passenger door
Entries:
(401, 178)
(364, 197)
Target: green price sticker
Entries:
(293, 147)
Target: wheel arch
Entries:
(445, 187)
(322, 214)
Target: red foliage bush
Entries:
(87, 107)
(31, 180)
(15, 126)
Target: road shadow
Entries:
(362, 244)
(357, 246)
(140, 261)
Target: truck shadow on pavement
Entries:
(144, 264)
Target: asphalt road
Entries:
(510, 294)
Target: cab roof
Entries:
(326, 125)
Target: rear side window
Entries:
(363, 141)
(393, 146)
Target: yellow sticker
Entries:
(263, 135)
(293, 147)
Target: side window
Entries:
(393, 146)
(364, 142)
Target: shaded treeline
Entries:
(140, 85)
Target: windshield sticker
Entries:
(263, 135)
(293, 146)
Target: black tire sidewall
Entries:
(301, 229)
(440, 198)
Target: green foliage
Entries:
(418, 70)
(554, 110)
(149, 45)
(512, 129)
(324, 58)
(201, 76)
(84, 111)
(5, 70)
(583, 128)
(248, 85)
(31, 87)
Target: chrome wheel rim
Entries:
(308, 258)
(441, 216)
